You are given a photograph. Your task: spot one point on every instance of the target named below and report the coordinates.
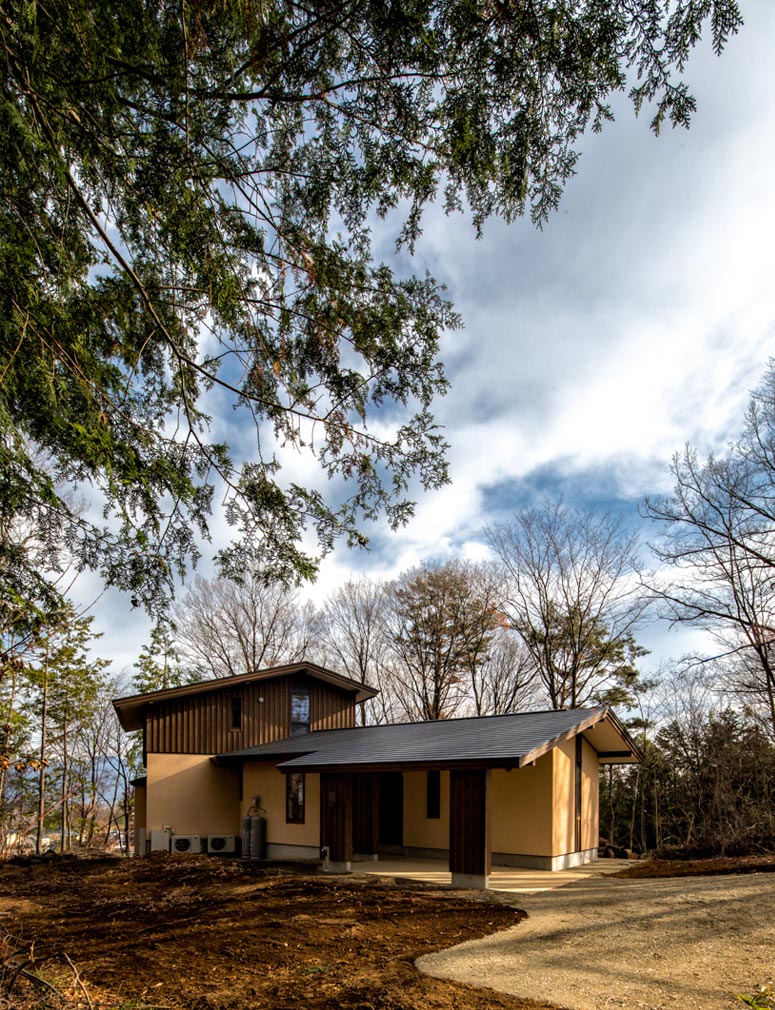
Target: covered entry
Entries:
(362, 814)
(390, 836)
(519, 790)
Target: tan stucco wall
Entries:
(563, 835)
(522, 809)
(532, 808)
(590, 798)
(419, 831)
(192, 795)
(564, 807)
(264, 780)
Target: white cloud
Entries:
(639, 319)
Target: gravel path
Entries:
(605, 943)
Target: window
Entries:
(433, 795)
(299, 709)
(236, 713)
(294, 798)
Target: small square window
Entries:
(294, 798)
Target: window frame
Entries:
(295, 800)
(300, 693)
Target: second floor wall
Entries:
(245, 715)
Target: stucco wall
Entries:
(263, 779)
(590, 798)
(192, 795)
(522, 809)
(564, 836)
(419, 831)
(532, 808)
(564, 806)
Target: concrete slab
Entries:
(502, 878)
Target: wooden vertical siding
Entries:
(330, 709)
(336, 815)
(201, 724)
(366, 812)
(469, 822)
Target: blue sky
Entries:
(636, 321)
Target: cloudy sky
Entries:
(636, 321)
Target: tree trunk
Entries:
(65, 841)
(43, 745)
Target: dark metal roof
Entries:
(490, 741)
(131, 710)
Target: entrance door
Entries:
(391, 811)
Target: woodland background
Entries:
(551, 621)
(187, 235)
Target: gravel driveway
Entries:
(664, 944)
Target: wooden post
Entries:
(336, 819)
(366, 814)
(469, 827)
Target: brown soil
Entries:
(700, 867)
(193, 933)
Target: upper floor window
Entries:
(299, 709)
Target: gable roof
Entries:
(510, 741)
(131, 710)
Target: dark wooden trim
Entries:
(336, 816)
(393, 766)
(366, 813)
(470, 815)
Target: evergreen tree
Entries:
(188, 191)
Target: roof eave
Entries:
(632, 755)
(532, 756)
(396, 766)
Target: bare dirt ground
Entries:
(192, 933)
(633, 942)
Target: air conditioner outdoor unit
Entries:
(221, 844)
(160, 840)
(186, 843)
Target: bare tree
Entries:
(720, 549)
(354, 637)
(574, 598)
(225, 628)
(505, 681)
(719, 542)
(441, 620)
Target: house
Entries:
(514, 790)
